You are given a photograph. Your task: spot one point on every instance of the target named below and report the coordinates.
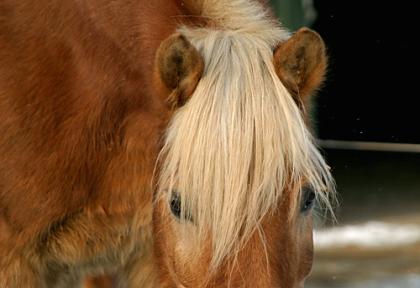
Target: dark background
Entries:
(372, 91)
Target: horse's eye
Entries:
(308, 199)
(175, 204)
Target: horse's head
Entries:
(239, 173)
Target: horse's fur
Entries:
(80, 123)
(84, 106)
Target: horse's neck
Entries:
(81, 74)
(121, 36)
(135, 27)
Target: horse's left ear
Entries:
(180, 67)
(301, 62)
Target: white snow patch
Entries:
(369, 234)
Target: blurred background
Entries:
(367, 120)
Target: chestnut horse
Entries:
(161, 143)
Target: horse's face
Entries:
(277, 250)
(284, 261)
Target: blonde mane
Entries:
(240, 140)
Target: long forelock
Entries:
(240, 140)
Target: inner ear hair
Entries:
(180, 68)
(300, 63)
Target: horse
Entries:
(157, 144)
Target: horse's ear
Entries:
(301, 62)
(180, 67)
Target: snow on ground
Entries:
(368, 234)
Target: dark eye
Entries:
(175, 205)
(308, 199)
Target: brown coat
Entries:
(80, 125)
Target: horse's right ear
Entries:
(180, 67)
(301, 63)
